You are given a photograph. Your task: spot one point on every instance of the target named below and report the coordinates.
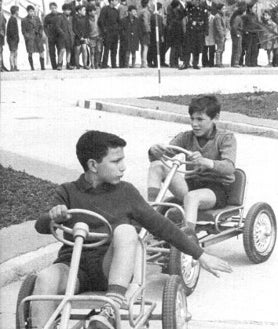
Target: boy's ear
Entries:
(92, 165)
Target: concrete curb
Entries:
(156, 114)
(15, 268)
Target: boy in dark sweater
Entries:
(213, 162)
(100, 189)
(13, 37)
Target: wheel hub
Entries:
(262, 233)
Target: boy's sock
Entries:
(106, 319)
(152, 193)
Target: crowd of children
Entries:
(188, 28)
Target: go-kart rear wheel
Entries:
(174, 304)
(184, 266)
(259, 233)
(25, 290)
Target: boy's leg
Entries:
(50, 281)
(84, 55)
(157, 174)
(197, 199)
(77, 53)
(118, 266)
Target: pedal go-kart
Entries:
(258, 227)
(74, 311)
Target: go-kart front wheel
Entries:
(259, 233)
(174, 304)
(25, 290)
(184, 266)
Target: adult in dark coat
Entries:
(65, 36)
(32, 30)
(13, 37)
(50, 23)
(152, 51)
(196, 30)
(129, 35)
(174, 32)
(211, 6)
(109, 24)
(2, 37)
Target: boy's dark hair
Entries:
(14, 9)
(66, 6)
(144, 3)
(208, 104)
(30, 8)
(219, 6)
(90, 8)
(131, 7)
(79, 7)
(53, 4)
(159, 5)
(94, 145)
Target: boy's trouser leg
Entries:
(61, 56)
(50, 281)
(84, 55)
(127, 55)
(157, 174)
(30, 59)
(211, 55)
(52, 53)
(12, 64)
(77, 53)
(42, 61)
(133, 59)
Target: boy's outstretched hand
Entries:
(59, 214)
(158, 150)
(214, 264)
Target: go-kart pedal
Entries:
(104, 320)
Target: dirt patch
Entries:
(23, 197)
(258, 104)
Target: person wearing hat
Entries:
(32, 30)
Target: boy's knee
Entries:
(158, 167)
(51, 280)
(125, 234)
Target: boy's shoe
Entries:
(69, 67)
(104, 320)
(59, 67)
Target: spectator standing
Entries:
(145, 30)
(236, 24)
(65, 36)
(219, 29)
(269, 38)
(50, 24)
(209, 47)
(123, 12)
(152, 51)
(2, 37)
(174, 31)
(13, 37)
(73, 4)
(109, 23)
(80, 29)
(129, 32)
(32, 30)
(251, 27)
(196, 30)
(94, 37)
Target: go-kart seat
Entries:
(235, 201)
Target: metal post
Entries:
(157, 47)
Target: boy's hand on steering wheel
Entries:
(158, 150)
(214, 264)
(200, 162)
(59, 214)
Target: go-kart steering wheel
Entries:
(100, 237)
(179, 162)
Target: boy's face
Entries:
(133, 13)
(31, 12)
(67, 12)
(112, 167)
(82, 11)
(201, 124)
(53, 9)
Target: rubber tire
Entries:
(25, 290)
(175, 268)
(173, 284)
(248, 240)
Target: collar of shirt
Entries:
(85, 186)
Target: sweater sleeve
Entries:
(42, 225)
(227, 149)
(158, 225)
